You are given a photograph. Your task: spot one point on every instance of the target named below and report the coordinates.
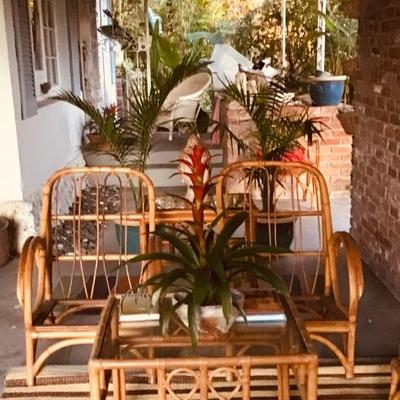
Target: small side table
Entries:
(166, 360)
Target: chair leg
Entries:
(170, 135)
(394, 381)
(30, 358)
(351, 344)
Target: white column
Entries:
(283, 33)
(147, 38)
(322, 5)
(10, 167)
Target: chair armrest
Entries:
(354, 267)
(21, 270)
(32, 255)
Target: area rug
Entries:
(71, 382)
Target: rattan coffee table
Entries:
(220, 368)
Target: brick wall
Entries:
(376, 187)
(335, 147)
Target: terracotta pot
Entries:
(96, 140)
(347, 119)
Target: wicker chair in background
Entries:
(70, 267)
(312, 269)
(182, 103)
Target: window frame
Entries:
(48, 47)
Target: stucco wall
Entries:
(50, 139)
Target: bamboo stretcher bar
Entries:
(94, 257)
(211, 362)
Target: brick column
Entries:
(376, 187)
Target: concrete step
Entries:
(161, 177)
(162, 160)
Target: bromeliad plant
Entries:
(206, 264)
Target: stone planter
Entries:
(4, 241)
(279, 232)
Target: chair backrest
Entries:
(308, 263)
(190, 88)
(90, 236)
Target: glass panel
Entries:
(54, 71)
(45, 13)
(47, 43)
(36, 36)
(49, 69)
(50, 13)
(52, 35)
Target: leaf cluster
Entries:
(274, 132)
(205, 276)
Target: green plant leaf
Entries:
(192, 311)
(225, 235)
(226, 301)
(186, 251)
(255, 250)
(200, 287)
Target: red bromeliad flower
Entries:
(199, 164)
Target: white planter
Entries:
(211, 318)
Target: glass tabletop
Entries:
(145, 339)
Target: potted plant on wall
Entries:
(341, 50)
(206, 265)
(274, 135)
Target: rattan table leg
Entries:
(94, 384)
(122, 384)
(116, 384)
(285, 381)
(312, 381)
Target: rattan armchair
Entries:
(71, 267)
(325, 288)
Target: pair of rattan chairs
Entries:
(75, 262)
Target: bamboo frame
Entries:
(394, 393)
(106, 356)
(319, 326)
(46, 314)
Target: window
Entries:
(44, 45)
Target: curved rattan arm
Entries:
(21, 271)
(33, 254)
(354, 270)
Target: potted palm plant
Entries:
(206, 264)
(128, 138)
(274, 135)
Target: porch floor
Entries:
(378, 333)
